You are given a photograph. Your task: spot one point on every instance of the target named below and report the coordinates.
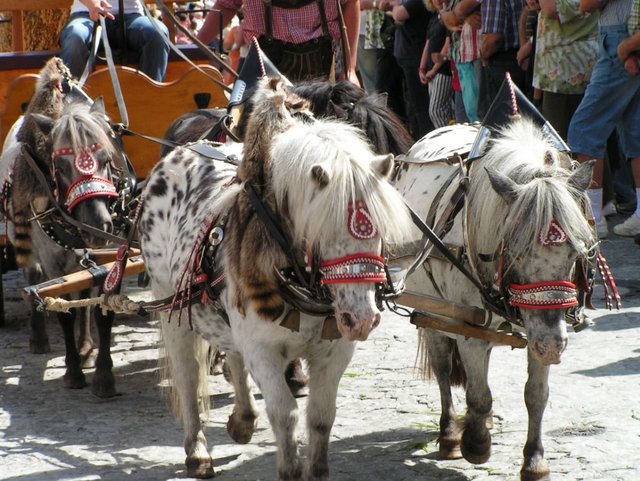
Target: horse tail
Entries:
(22, 240)
(204, 356)
(457, 375)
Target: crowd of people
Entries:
(437, 61)
(577, 60)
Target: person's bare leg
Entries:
(631, 226)
(595, 195)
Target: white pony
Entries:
(317, 185)
(521, 230)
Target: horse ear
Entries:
(581, 177)
(320, 176)
(503, 185)
(382, 165)
(98, 106)
(44, 123)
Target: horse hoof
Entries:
(476, 451)
(241, 431)
(540, 475)
(449, 449)
(74, 380)
(201, 468)
(104, 385)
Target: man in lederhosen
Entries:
(303, 38)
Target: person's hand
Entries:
(426, 77)
(474, 20)
(97, 8)
(632, 65)
(353, 77)
(534, 5)
(384, 5)
(523, 55)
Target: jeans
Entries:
(612, 99)
(142, 38)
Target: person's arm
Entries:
(211, 27)
(549, 8)
(422, 69)
(587, 6)
(97, 8)
(400, 14)
(351, 12)
(492, 37)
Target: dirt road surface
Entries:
(386, 424)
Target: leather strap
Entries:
(66, 217)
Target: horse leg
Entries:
(85, 341)
(325, 371)
(440, 354)
(476, 438)
(73, 377)
(536, 394)
(38, 339)
(267, 367)
(103, 384)
(243, 420)
(185, 361)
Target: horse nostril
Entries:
(376, 320)
(346, 319)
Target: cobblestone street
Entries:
(386, 426)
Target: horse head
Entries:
(342, 211)
(537, 203)
(83, 151)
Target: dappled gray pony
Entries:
(61, 155)
(320, 185)
(522, 228)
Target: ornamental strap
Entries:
(356, 268)
(543, 295)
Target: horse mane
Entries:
(81, 126)
(347, 102)
(345, 155)
(47, 100)
(524, 153)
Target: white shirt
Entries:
(130, 6)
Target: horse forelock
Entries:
(78, 128)
(523, 154)
(320, 214)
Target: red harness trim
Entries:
(544, 295)
(88, 187)
(356, 268)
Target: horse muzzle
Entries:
(357, 328)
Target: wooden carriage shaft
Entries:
(80, 280)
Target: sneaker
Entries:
(629, 228)
(602, 228)
(609, 209)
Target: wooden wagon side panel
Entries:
(153, 106)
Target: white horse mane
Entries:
(79, 127)
(525, 154)
(345, 156)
